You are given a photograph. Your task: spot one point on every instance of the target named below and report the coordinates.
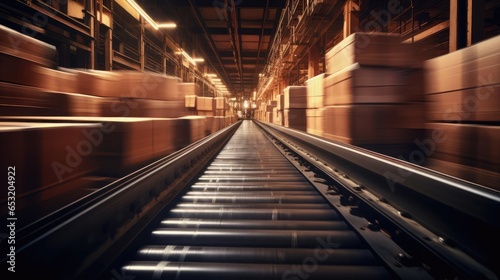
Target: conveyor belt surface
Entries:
(253, 215)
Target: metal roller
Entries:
(258, 238)
(257, 255)
(252, 205)
(250, 187)
(242, 271)
(255, 214)
(255, 224)
(249, 199)
(252, 215)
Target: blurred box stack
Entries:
(205, 106)
(462, 90)
(373, 94)
(271, 105)
(315, 96)
(220, 106)
(280, 107)
(45, 156)
(295, 104)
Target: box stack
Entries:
(220, 106)
(373, 95)
(185, 89)
(314, 112)
(45, 156)
(192, 129)
(280, 107)
(205, 106)
(463, 93)
(295, 104)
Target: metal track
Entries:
(253, 215)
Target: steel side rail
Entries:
(461, 213)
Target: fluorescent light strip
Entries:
(143, 13)
(166, 25)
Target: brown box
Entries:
(14, 43)
(269, 117)
(471, 67)
(147, 85)
(205, 103)
(315, 91)
(82, 105)
(193, 129)
(164, 134)
(28, 73)
(295, 118)
(129, 107)
(367, 125)
(356, 85)
(374, 49)
(45, 155)
(185, 89)
(220, 103)
(18, 100)
(479, 104)
(98, 83)
(190, 101)
(315, 121)
(295, 97)
(280, 98)
(473, 145)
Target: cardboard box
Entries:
(205, 103)
(98, 83)
(190, 101)
(13, 43)
(164, 134)
(185, 89)
(280, 104)
(372, 49)
(295, 118)
(470, 67)
(479, 104)
(129, 107)
(295, 97)
(45, 155)
(356, 85)
(315, 91)
(147, 85)
(315, 121)
(367, 125)
(220, 103)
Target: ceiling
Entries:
(234, 36)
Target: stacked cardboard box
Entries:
(147, 85)
(193, 128)
(315, 96)
(372, 49)
(45, 155)
(220, 106)
(295, 104)
(373, 95)
(131, 107)
(185, 89)
(205, 106)
(463, 93)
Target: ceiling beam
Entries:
(241, 31)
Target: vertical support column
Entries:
(108, 50)
(164, 57)
(458, 24)
(141, 45)
(351, 17)
(91, 21)
(475, 21)
(313, 61)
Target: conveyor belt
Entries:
(253, 215)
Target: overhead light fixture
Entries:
(169, 25)
(211, 75)
(156, 26)
(190, 59)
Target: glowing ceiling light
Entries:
(168, 25)
(143, 13)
